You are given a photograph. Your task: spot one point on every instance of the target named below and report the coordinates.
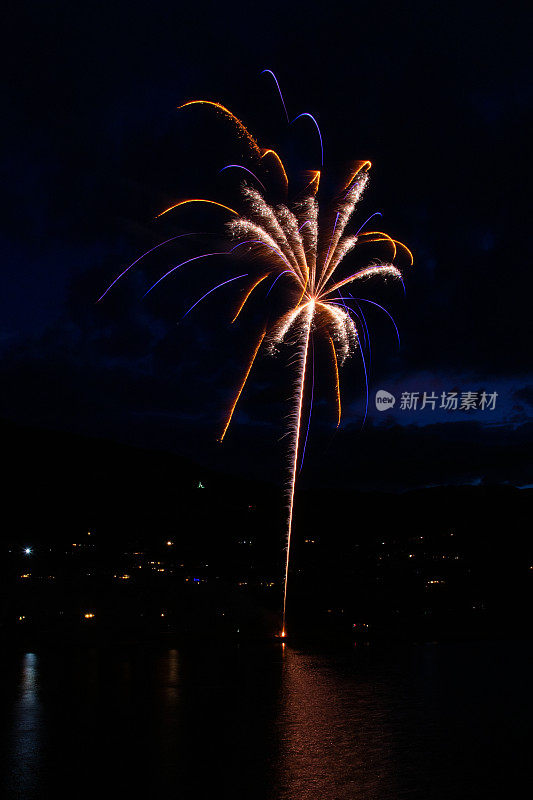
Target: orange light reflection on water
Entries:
(332, 748)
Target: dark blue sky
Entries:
(437, 96)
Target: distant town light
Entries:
(28, 551)
(89, 615)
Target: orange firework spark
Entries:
(304, 259)
(241, 387)
(241, 127)
(337, 381)
(268, 152)
(196, 200)
(314, 181)
(248, 293)
(359, 165)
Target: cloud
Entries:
(525, 394)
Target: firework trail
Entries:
(301, 250)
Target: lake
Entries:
(268, 722)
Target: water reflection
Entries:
(334, 737)
(267, 722)
(24, 749)
(166, 728)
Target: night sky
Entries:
(437, 95)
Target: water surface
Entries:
(434, 721)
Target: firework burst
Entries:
(301, 251)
